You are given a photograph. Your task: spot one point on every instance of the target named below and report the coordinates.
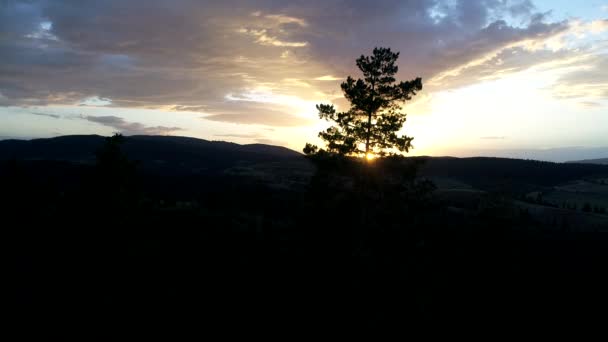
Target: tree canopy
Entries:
(370, 126)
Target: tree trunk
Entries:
(369, 131)
(369, 121)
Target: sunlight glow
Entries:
(297, 106)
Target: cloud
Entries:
(270, 142)
(581, 66)
(4, 101)
(327, 78)
(277, 119)
(258, 138)
(487, 57)
(263, 38)
(283, 19)
(266, 29)
(562, 154)
(187, 55)
(131, 128)
(235, 135)
(54, 116)
(588, 82)
(95, 101)
(590, 104)
(598, 26)
(186, 108)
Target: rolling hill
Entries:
(81, 148)
(601, 161)
(169, 166)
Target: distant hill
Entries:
(508, 175)
(160, 153)
(602, 161)
(172, 167)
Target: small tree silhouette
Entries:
(371, 124)
(112, 162)
(587, 207)
(115, 173)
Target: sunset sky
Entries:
(513, 78)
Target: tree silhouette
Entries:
(371, 124)
(116, 179)
(112, 162)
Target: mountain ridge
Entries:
(599, 161)
(82, 147)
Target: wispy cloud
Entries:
(285, 19)
(95, 101)
(54, 116)
(131, 128)
(277, 119)
(236, 135)
(590, 104)
(263, 37)
(327, 78)
(186, 108)
(562, 154)
(270, 142)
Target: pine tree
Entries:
(369, 127)
(587, 207)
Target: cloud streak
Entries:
(131, 128)
(54, 116)
(236, 135)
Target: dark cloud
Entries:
(189, 108)
(465, 31)
(131, 128)
(187, 55)
(54, 116)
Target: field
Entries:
(578, 193)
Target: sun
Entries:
(370, 156)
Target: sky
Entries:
(513, 78)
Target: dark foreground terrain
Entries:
(253, 237)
